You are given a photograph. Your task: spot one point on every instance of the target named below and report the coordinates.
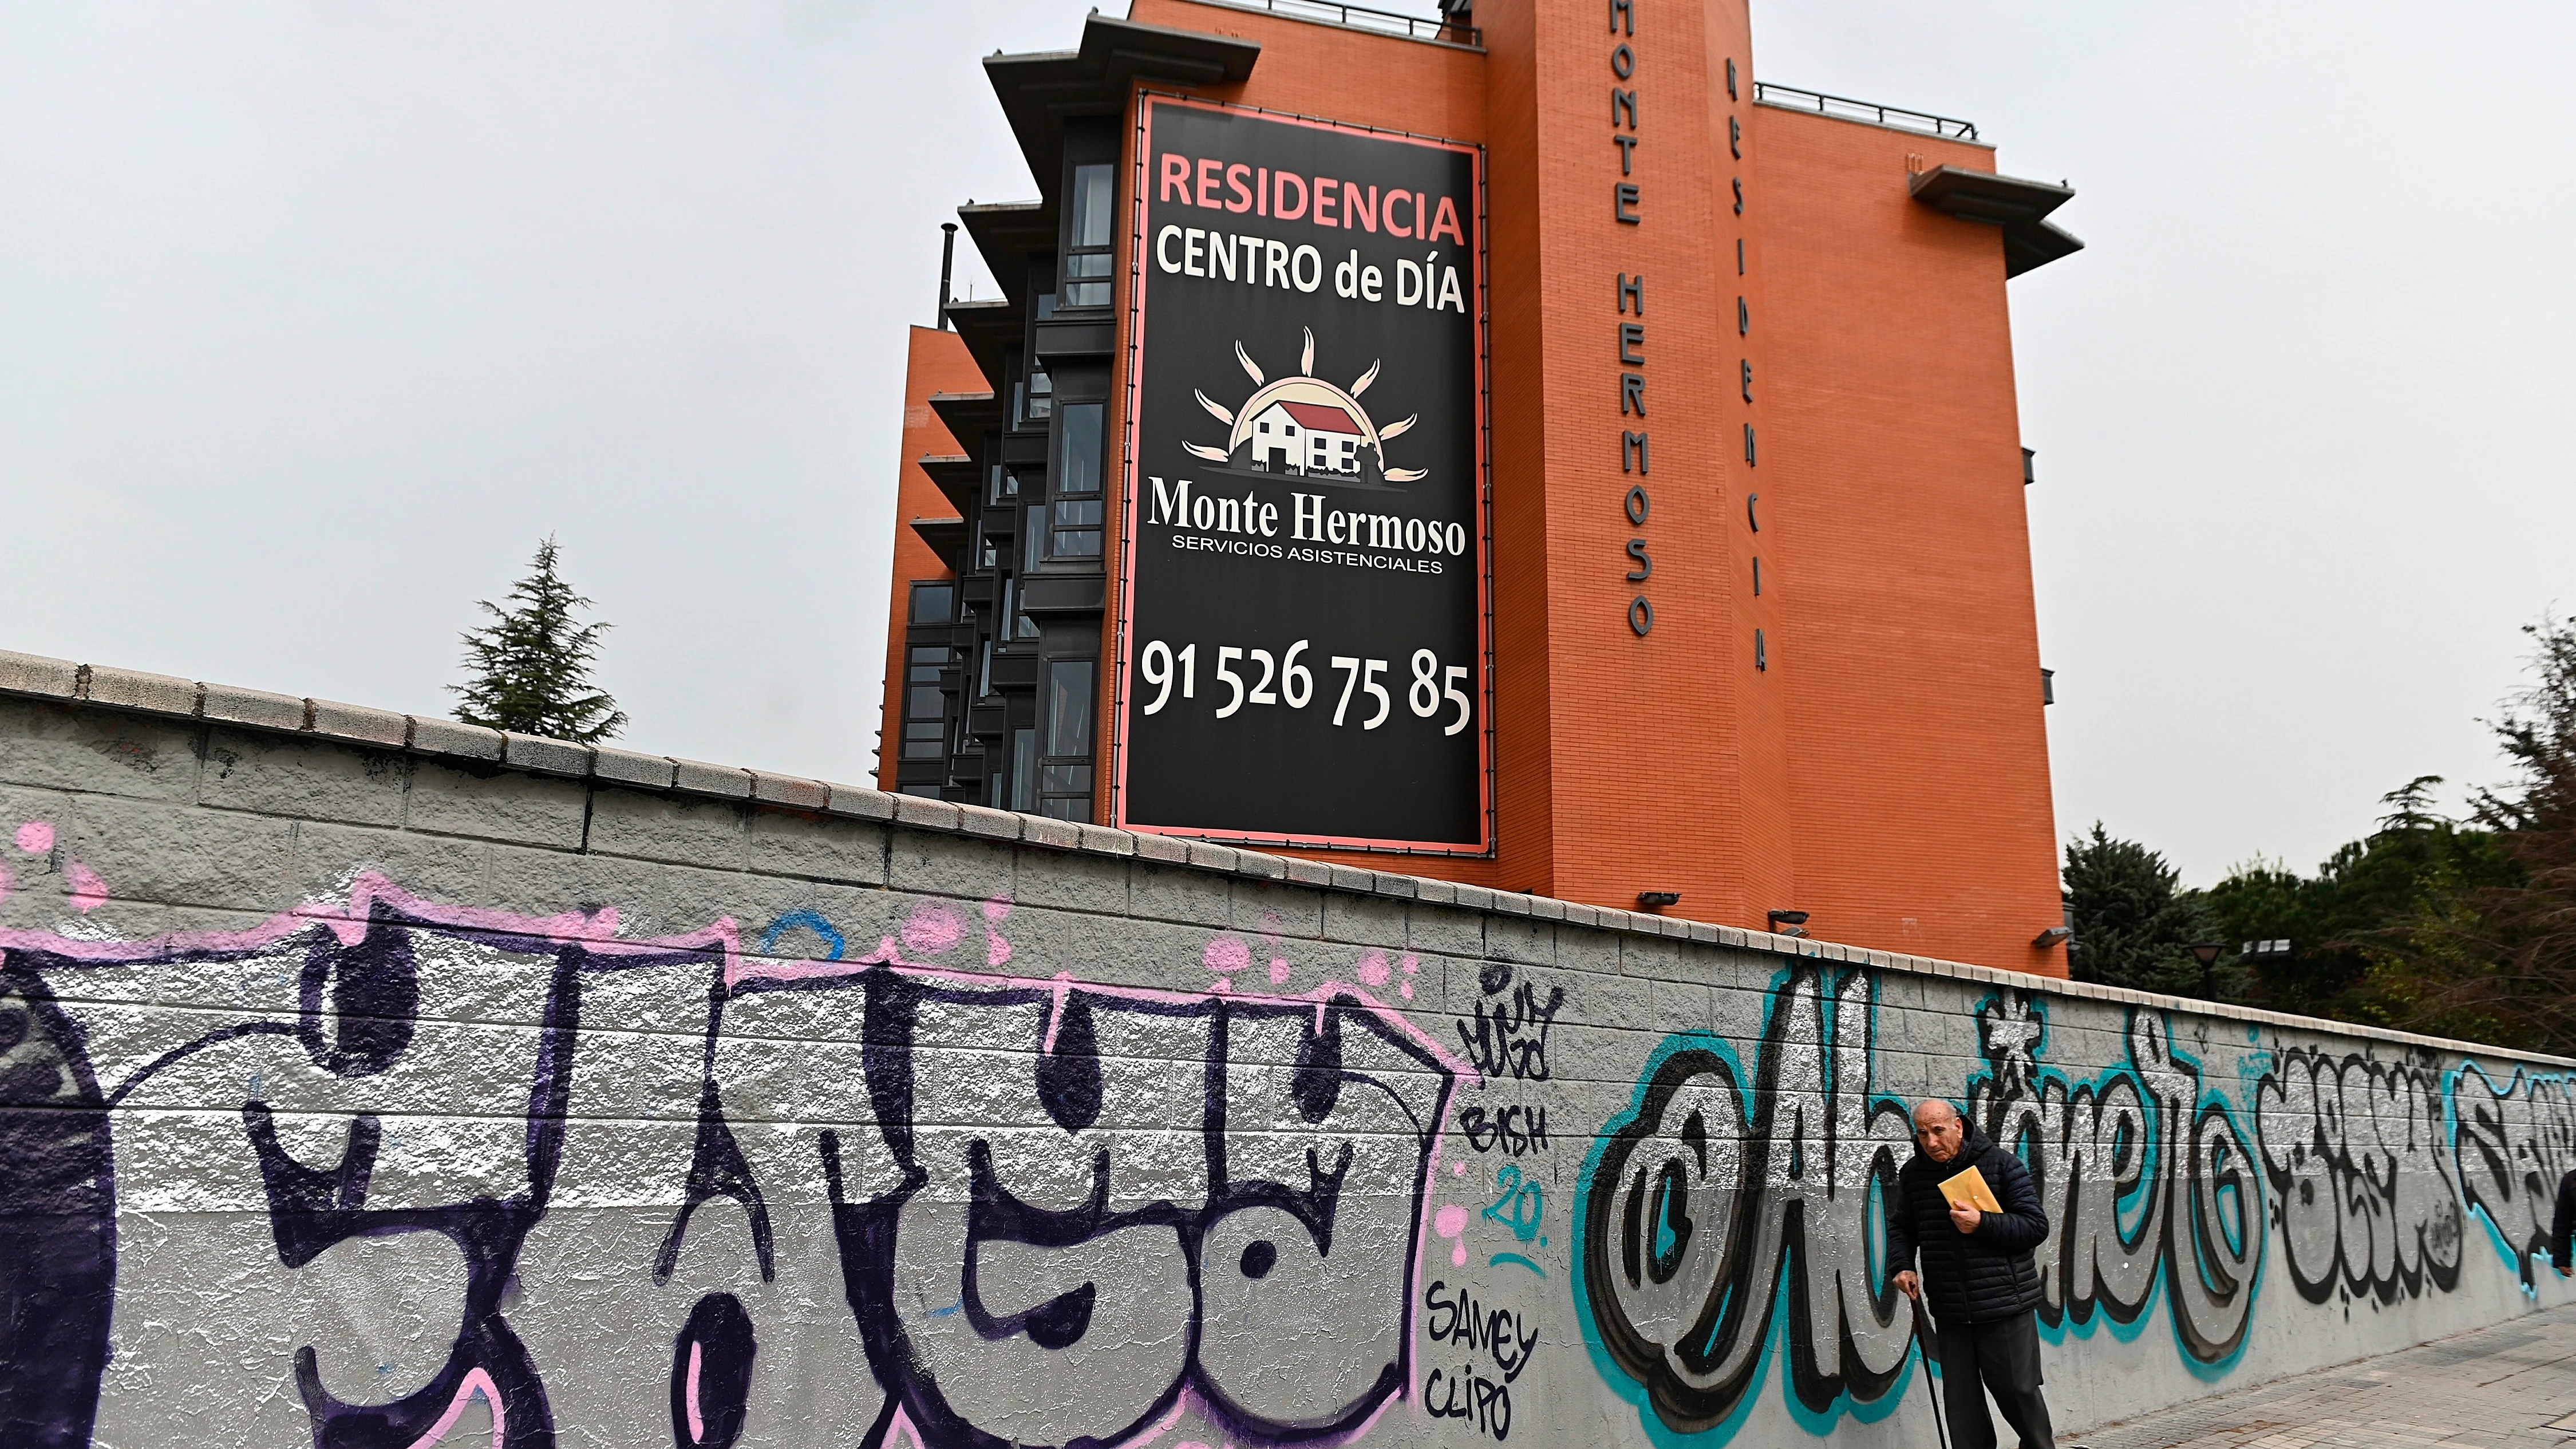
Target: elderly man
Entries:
(1977, 1267)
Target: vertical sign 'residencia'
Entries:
(1303, 650)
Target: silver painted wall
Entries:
(376, 1082)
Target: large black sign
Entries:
(1303, 651)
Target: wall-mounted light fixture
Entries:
(1657, 900)
(1796, 921)
(2051, 936)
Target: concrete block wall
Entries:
(379, 1081)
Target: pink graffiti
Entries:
(1225, 956)
(88, 891)
(478, 1384)
(697, 1420)
(595, 930)
(931, 929)
(1451, 1222)
(1412, 964)
(1373, 968)
(997, 947)
(36, 837)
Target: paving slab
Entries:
(2512, 1384)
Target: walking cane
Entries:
(1923, 1341)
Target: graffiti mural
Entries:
(2360, 1160)
(2147, 1180)
(1722, 1197)
(2517, 1138)
(987, 1210)
(386, 1173)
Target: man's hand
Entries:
(1966, 1218)
(1908, 1284)
(2564, 1269)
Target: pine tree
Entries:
(531, 665)
(2134, 924)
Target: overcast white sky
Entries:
(315, 317)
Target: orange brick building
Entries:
(1787, 662)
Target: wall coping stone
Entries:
(253, 707)
(131, 691)
(626, 767)
(357, 722)
(791, 792)
(544, 756)
(696, 777)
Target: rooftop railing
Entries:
(1361, 17)
(1845, 108)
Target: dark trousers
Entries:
(1999, 1358)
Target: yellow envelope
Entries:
(1969, 1189)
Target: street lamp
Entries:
(2208, 953)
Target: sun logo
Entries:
(1304, 427)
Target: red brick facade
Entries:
(1885, 767)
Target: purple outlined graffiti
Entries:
(984, 1210)
(352, 1011)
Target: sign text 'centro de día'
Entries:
(1304, 651)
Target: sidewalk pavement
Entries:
(2513, 1384)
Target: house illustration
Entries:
(1306, 438)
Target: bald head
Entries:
(1937, 1128)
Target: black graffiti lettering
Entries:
(2356, 1152)
(1517, 1129)
(1511, 1026)
(1468, 1395)
(2516, 1140)
(1507, 1337)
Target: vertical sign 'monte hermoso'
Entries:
(1304, 641)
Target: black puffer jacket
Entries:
(1977, 1277)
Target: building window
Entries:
(933, 603)
(1006, 485)
(1024, 771)
(1074, 522)
(1064, 776)
(1018, 625)
(1086, 281)
(925, 711)
(1037, 399)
